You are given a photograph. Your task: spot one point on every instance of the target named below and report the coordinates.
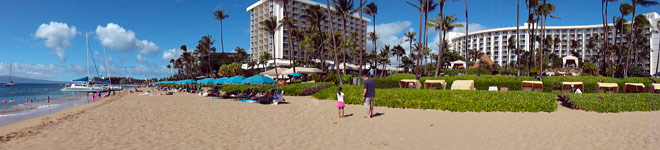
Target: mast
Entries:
(106, 65)
(10, 79)
(87, 50)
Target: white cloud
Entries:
(141, 58)
(171, 54)
(51, 72)
(58, 36)
(115, 36)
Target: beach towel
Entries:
(247, 101)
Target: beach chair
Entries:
(536, 86)
(463, 85)
(611, 88)
(428, 84)
(570, 87)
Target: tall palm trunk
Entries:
(420, 40)
(603, 9)
(426, 36)
(542, 39)
(467, 33)
(334, 41)
(631, 42)
(438, 65)
(361, 61)
(343, 51)
(517, 37)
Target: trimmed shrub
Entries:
(391, 81)
(484, 81)
(615, 102)
(453, 72)
(475, 101)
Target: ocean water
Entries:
(18, 108)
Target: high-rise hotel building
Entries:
(260, 41)
(494, 41)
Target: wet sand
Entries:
(187, 121)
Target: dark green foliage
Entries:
(298, 89)
(475, 101)
(484, 81)
(391, 81)
(554, 82)
(615, 102)
(453, 72)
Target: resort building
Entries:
(493, 42)
(260, 41)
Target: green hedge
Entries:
(475, 101)
(554, 82)
(484, 81)
(391, 81)
(297, 89)
(453, 72)
(656, 80)
(615, 102)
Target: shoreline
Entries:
(189, 121)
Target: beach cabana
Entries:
(428, 83)
(532, 86)
(611, 87)
(456, 64)
(654, 88)
(570, 60)
(565, 86)
(405, 82)
(258, 79)
(235, 80)
(295, 74)
(633, 88)
(463, 85)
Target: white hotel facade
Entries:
(494, 41)
(260, 41)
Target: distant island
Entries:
(19, 80)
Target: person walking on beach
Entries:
(368, 95)
(340, 102)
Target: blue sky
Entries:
(138, 33)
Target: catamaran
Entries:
(84, 84)
(11, 82)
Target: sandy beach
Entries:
(188, 121)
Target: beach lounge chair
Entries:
(536, 86)
(405, 82)
(428, 84)
(463, 85)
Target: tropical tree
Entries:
(371, 9)
(297, 35)
(420, 7)
(410, 37)
(603, 9)
(263, 59)
(644, 3)
(518, 35)
(398, 51)
(544, 9)
(384, 58)
(188, 61)
(315, 16)
(221, 15)
(334, 41)
(625, 9)
(345, 9)
(467, 33)
(373, 37)
(443, 24)
(511, 44)
(429, 7)
(241, 54)
(204, 48)
(361, 37)
(288, 22)
(271, 25)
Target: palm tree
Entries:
(169, 67)
(361, 51)
(371, 9)
(632, 27)
(288, 22)
(398, 51)
(263, 60)
(421, 9)
(315, 16)
(574, 46)
(625, 9)
(545, 10)
(334, 41)
(205, 47)
(430, 6)
(241, 54)
(345, 9)
(441, 3)
(271, 25)
(298, 35)
(467, 33)
(603, 9)
(384, 58)
(220, 15)
(657, 59)
(445, 24)
(187, 60)
(373, 37)
(511, 44)
(410, 37)
(517, 35)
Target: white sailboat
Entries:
(11, 81)
(83, 84)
